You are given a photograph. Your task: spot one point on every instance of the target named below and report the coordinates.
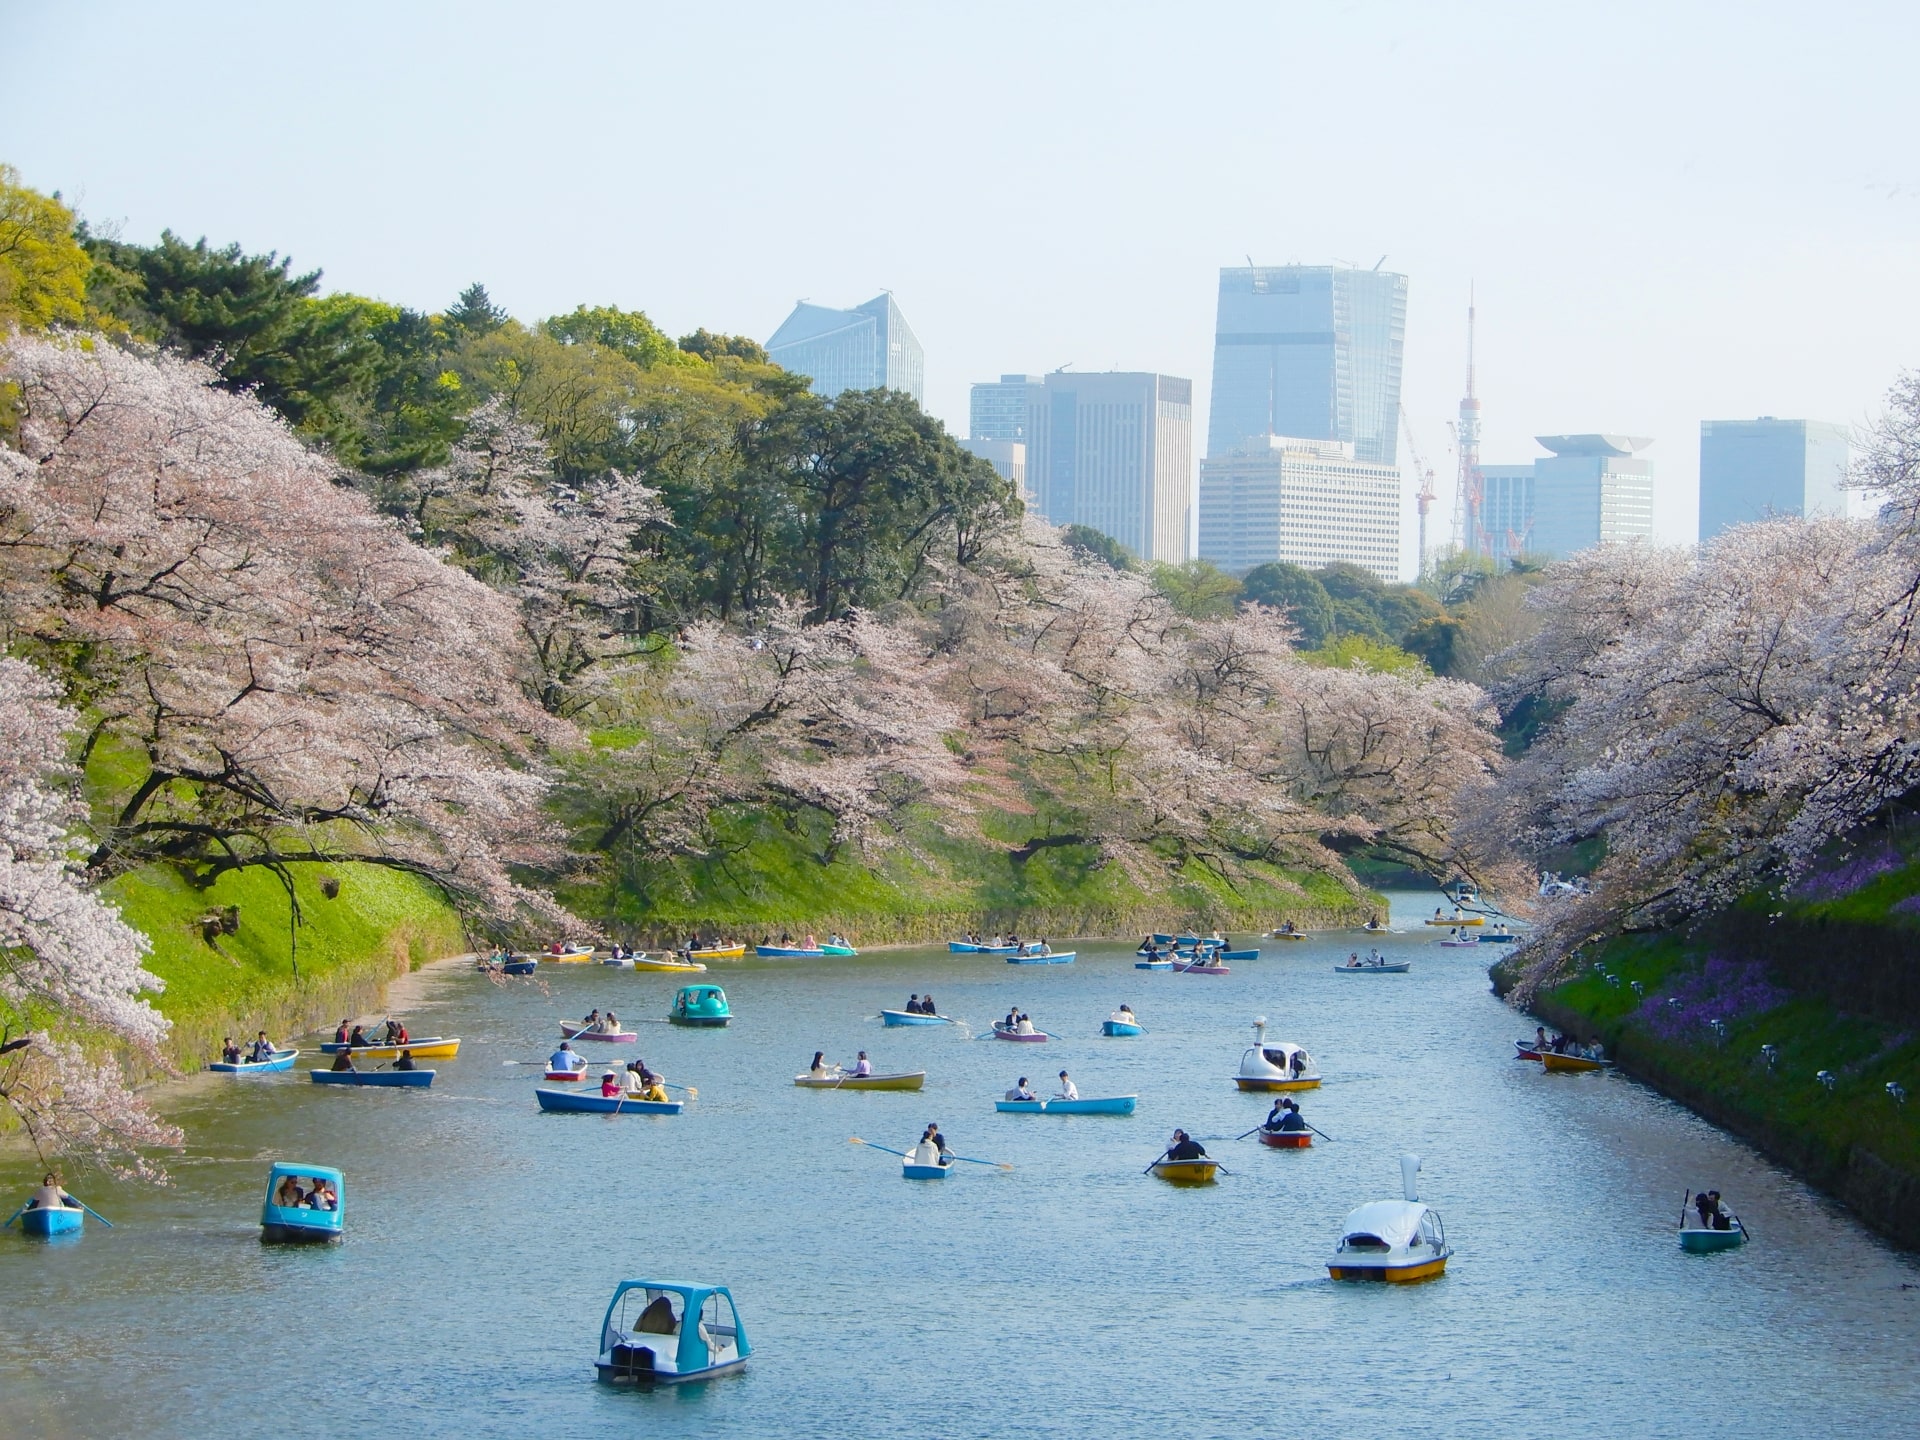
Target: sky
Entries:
(1666, 212)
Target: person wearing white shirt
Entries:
(1068, 1090)
(1024, 1027)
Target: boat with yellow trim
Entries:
(718, 952)
(1572, 1064)
(1458, 919)
(1393, 1240)
(668, 965)
(567, 953)
(430, 1047)
(905, 1080)
(1186, 1172)
(1277, 1066)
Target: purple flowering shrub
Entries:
(1843, 877)
(1723, 989)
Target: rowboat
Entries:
(717, 952)
(519, 965)
(1043, 957)
(700, 1005)
(1114, 1028)
(838, 950)
(647, 1339)
(1458, 920)
(587, 1032)
(573, 955)
(1285, 1139)
(1286, 935)
(968, 947)
(1186, 1172)
(301, 1223)
(404, 1079)
(1698, 1239)
(911, 1017)
(788, 952)
(282, 1060)
(46, 1221)
(1393, 1240)
(1105, 1105)
(911, 1171)
(1239, 954)
(1001, 1031)
(566, 1077)
(1457, 944)
(905, 1080)
(1153, 964)
(618, 962)
(603, 1104)
(1275, 1066)
(1369, 968)
(430, 1048)
(1526, 1049)
(1572, 1064)
(1202, 967)
(667, 965)
(1506, 939)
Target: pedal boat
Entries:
(598, 1104)
(1571, 1064)
(903, 1080)
(430, 1047)
(1186, 1172)
(296, 1224)
(1086, 1105)
(1285, 1139)
(1393, 1240)
(1002, 1031)
(282, 1060)
(1116, 1028)
(646, 1340)
(587, 1032)
(402, 1079)
(913, 1017)
(1266, 1067)
(700, 1006)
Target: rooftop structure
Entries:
(869, 347)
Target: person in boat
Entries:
(1123, 1016)
(931, 1136)
(1068, 1090)
(1353, 960)
(609, 1085)
(926, 1005)
(343, 1060)
(567, 1058)
(1276, 1115)
(812, 944)
(913, 1003)
(51, 1196)
(1184, 1147)
(1293, 1121)
(862, 1066)
(1297, 1063)
(287, 1193)
(262, 1048)
(1024, 1025)
(655, 1093)
(340, 1035)
(610, 1025)
(1012, 1022)
(359, 1036)
(1539, 1038)
(321, 1197)
(591, 1018)
(229, 1052)
(820, 1070)
(405, 1062)
(1021, 1091)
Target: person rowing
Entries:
(1022, 1091)
(405, 1062)
(820, 1069)
(913, 1004)
(52, 1196)
(1292, 1121)
(863, 1066)
(229, 1052)
(567, 1059)
(609, 1025)
(1276, 1117)
(262, 1048)
(1184, 1147)
(932, 1149)
(1068, 1090)
(609, 1086)
(926, 1005)
(343, 1060)
(1123, 1016)
(1024, 1026)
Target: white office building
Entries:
(1308, 502)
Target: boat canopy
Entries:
(1390, 1225)
(1275, 1060)
(702, 996)
(644, 1309)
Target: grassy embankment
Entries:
(1828, 978)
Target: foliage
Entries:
(1295, 591)
(1197, 589)
(1086, 540)
(1349, 651)
(43, 268)
(711, 347)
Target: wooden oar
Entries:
(13, 1217)
(1321, 1133)
(1156, 1160)
(856, 1140)
(997, 1164)
(91, 1211)
(1250, 1132)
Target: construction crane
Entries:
(1468, 496)
(1424, 496)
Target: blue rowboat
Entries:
(603, 1104)
(1109, 1105)
(282, 1060)
(1163, 939)
(787, 952)
(911, 1171)
(907, 1017)
(286, 1220)
(1239, 954)
(1153, 964)
(46, 1221)
(1697, 1241)
(519, 965)
(1498, 939)
(967, 947)
(408, 1079)
(659, 1332)
(838, 950)
(1056, 957)
(1120, 1027)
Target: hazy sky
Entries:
(1671, 211)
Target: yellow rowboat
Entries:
(431, 1048)
(1572, 1064)
(910, 1080)
(643, 962)
(1461, 920)
(566, 957)
(720, 952)
(1186, 1172)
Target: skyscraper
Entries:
(1750, 469)
(1114, 451)
(868, 347)
(1310, 351)
(999, 410)
(1592, 490)
(1305, 501)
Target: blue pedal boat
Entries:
(660, 1332)
(287, 1219)
(909, 1017)
(403, 1079)
(282, 1060)
(1107, 1105)
(597, 1104)
(968, 947)
(1050, 957)
(700, 1005)
(1114, 1028)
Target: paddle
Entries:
(1321, 1133)
(856, 1140)
(91, 1211)
(1743, 1227)
(13, 1217)
(1250, 1132)
(997, 1164)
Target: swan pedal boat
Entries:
(1112, 1028)
(1286, 1139)
(968, 947)
(46, 1221)
(902, 1080)
(662, 965)
(1269, 1065)
(282, 1060)
(403, 1079)
(1572, 1064)
(587, 1032)
(912, 1017)
(1002, 1032)
(431, 1047)
(1399, 967)
(647, 1340)
(699, 1005)
(1393, 1240)
(1186, 1172)
(604, 1104)
(1088, 1105)
(1051, 957)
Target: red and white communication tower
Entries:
(1469, 523)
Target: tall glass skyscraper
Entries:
(1751, 469)
(1311, 351)
(868, 347)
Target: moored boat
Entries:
(393, 1079)
(1285, 1139)
(1572, 1064)
(901, 1080)
(1393, 1240)
(432, 1047)
(700, 1005)
(282, 1060)
(913, 1017)
(1004, 1031)
(1275, 1065)
(603, 1104)
(305, 1204)
(587, 1032)
(661, 1332)
(1088, 1105)
(1186, 1172)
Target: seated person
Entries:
(819, 1069)
(1292, 1121)
(359, 1036)
(863, 1066)
(287, 1194)
(913, 1004)
(1123, 1016)
(658, 1319)
(609, 1085)
(262, 1048)
(1276, 1116)
(321, 1197)
(567, 1058)
(610, 1025)
(340, 1035)
(343, 1060)
(229, 1052)
(655, 1092)
(1068, 1090)
(1185, 1147)
(1021, 1091)
(405, 1062)
(1025, 1025)
(51, 1196)
(926, 1005)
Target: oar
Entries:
(91, 1211)
(1321, 1133)
(692, 1093)
(1155, 1161)
(13, 1217)
(1685, 1200)
(1743, 1227)
(1242, 1137)
(856, 1140)
(998, 1164)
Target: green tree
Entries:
(1346, 651)
(43, 267)
(1198, 589)
(1434, 641)
(474, 314)
(629, 332)
(1099, 545)
(710, 347)
(1297, 591)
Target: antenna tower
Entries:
(1471, 491)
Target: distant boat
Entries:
(603, 1104)
(831, 949)
(587, 1032)
(519, 964)
(569, 954)
(1186, 1172)
(661, 1332)
(406, 1079)
(1238, 955)
(1572, 1064)
(788, 952)
(717, 952)
(429, 1047)
(1276, 1065)
(913, 1017)
(1203, 967)
(1700, 1239)
(904, 1080)
(1285, 1139)
(282, 1060)
(1153, 964)
(300, 1223)
(668, 964)
(1107, 1105)
(1527, 1049)
(971, 947)
(1003, 1031)
(1366, 967)
(1031, 956)
(699, 1005)
(1114, 1028)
